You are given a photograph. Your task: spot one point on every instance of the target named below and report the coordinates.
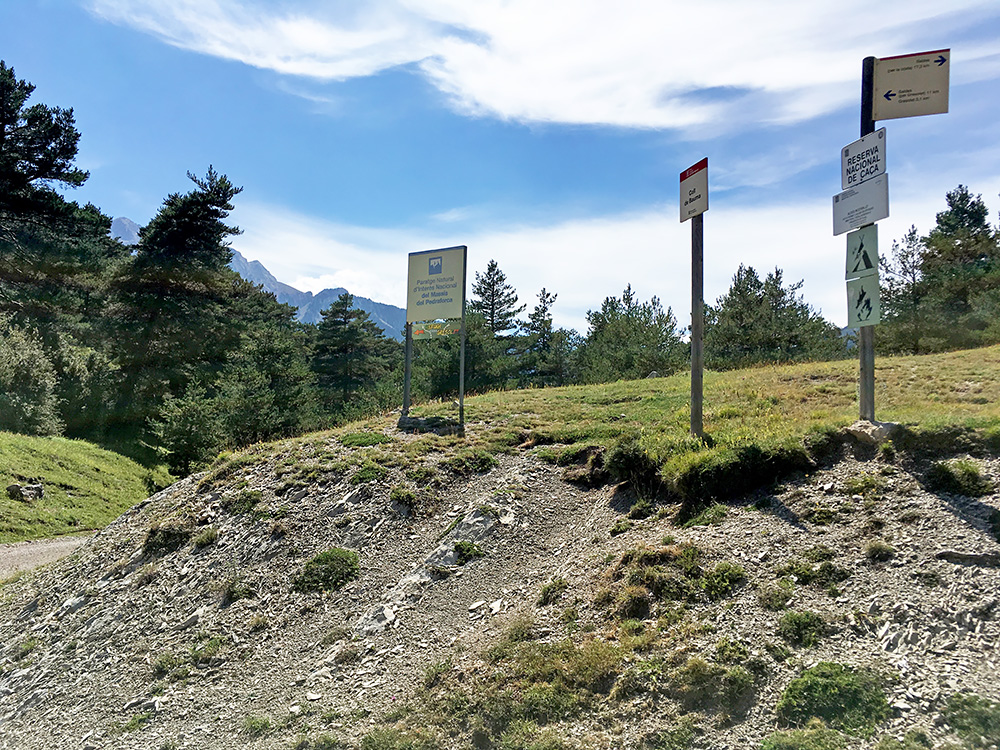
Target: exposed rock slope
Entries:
(195, 636)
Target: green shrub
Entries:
(467, 552)
(878, 551)
(802, 628)
(699, 685)
(393, 739)
(641, 508)
(364, 439)
(730, 652)
(620, 526)
(711, 516)
(369, 471)
(633, 603)
(679, 737)
(206, 537)
(256, 726)
(814, 737)
(819, 553)
(206, 649)
(166, 537)
(551, 591)
(722, 580)
(976, 720)
(404, 496)
(469, 462)
(328, 571)
(243, 501)
(959, 477)
(825, 574)
(775, 597)
(915, 739)
(628, 461)
(866, 485)
(850, 700)
(235, 588)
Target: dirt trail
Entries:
(27, 555)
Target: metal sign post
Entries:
(866, 334)
(693, 204)
(436, 292)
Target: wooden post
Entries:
(407, 369)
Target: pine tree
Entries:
(629, 339)
(171, 311)
(38, 145)
(495, 300)
(351, 354)
(960, 270)
(759, 322)
(902, 292)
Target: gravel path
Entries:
(27, 555)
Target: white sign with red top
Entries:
(694, 190)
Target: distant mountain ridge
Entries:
(391, 319)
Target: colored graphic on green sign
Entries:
(433, 329)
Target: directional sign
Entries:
(864, 204)
(694, 190)
(863, 159)
(911, 85)
(863, 307)
(433, 329)
(862, 253)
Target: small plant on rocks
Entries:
(975, 719)
(551, 591)
(815, 736)
(711, 516)
(850, 700)
(256, 726)
(878, 551)
(206, 537)
(466, 552)
(802, 628)
(328, 571)
(958, 477)
(166, 537)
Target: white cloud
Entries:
(703, 68)
(586, 260)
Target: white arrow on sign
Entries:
(911, 85)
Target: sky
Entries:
(547, 135)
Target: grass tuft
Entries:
(328, 571)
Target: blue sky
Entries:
(547, 135)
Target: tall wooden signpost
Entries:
(435, 306)
(694, 203)
(891, 87)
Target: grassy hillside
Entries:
(757, 419)
(85, 486)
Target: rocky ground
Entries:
(128, 643)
